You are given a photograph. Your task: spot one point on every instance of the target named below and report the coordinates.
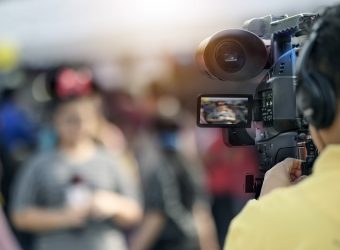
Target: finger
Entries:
(295, 175)
(295, 170)
(293, 165)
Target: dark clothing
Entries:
(223, 212)
(170, 190)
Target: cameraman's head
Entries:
(319, 79)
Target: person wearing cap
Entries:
(222, 113)
(75, 197)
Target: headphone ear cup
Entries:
(316, 99)
(305, 99)
(325, 105)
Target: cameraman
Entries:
(306, 215)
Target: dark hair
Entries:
(162, 124)
(220, 104)
(325, 54)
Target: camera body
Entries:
(266, 45)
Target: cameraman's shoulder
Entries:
(283, 201)
(262, 222)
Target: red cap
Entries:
(72, 82)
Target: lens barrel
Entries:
(232, 55)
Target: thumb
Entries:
(295, 169)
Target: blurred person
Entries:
(121, 109)
(7, 240)
(17, 130)
(295, 211)
(60, 83)
(221, 113)
(110, 136)
(157, 102)
(76, 196)
(18, 137)
(225, 170)
(176, 215)
(65, 81)
(78, 81)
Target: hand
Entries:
(103, 205)
(75, 216)
(283, 174)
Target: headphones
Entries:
(315, 95)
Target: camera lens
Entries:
(230, 57)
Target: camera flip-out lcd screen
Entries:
(224, 111)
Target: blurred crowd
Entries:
(84, 166)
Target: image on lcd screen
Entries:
(226, 111)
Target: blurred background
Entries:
(137, 57)
(131, 42)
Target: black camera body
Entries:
(266, 45)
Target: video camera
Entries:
(269, 119)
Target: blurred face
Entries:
(221, 108)
(75, 121)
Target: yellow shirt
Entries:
(304, 216)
